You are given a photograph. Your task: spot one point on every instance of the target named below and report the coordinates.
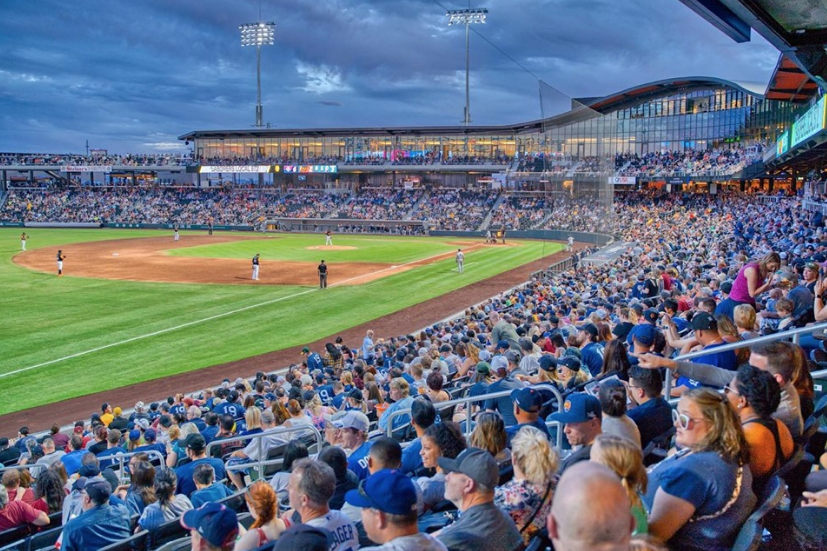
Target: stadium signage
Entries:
(622, 180)
(86, 168)
(234, 169)
(810, 123)
(783, 144)
(310, 169)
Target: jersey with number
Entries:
(345, 536)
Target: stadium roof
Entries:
(658, 89)
(790, 83)
(582, 109)
(798, 28)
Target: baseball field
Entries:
(135, 306)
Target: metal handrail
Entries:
(262, 453)
(118, 458)
(468, 400)
(784, 335)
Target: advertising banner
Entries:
(310, 169)
(622, 180)
(86, 168)
(234, 169)
(809, 124)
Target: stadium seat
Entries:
(138, 542)
(749, 537)
(14, 534)
(657, 449)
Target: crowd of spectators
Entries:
(720, 161)
(379, 204)
(700, 271)
(450, 209)
(132, 159)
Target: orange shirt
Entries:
(762, 446)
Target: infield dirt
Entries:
(399, 323)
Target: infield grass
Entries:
(45, 318)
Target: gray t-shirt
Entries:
(345, 535)
(621, 426)
(417, 542)
(483, 527)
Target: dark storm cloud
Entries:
(132, 76)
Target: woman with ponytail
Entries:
(168, 506)
(527, 497)
(625, 459)
(263, 506)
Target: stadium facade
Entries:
(697, 113)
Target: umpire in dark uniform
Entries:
(322, 275)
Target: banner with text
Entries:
(234, 169)
(810, 123)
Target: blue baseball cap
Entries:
(529, 399)
(214, 522)
(386, 490)
(645, 334)
(504, 344)
(578, 408)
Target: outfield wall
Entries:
(546, 235)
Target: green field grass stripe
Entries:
(155, 333)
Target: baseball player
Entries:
(60, 258)
(176, 236)
(328, 238)
(322, 275)
(209, 228)
(23, 239)
(256, 265)
(460, 260)
(570, 244)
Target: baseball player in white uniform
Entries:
(460, 260)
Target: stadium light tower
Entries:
(467, 17)
(258, 35)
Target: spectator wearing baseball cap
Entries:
(388, 500)
(213, 527)
(353, 434)
(100, 524)
(196, 448)
(527, 405)
(643, 340)
(591, 351)
(469, 484)
(504, 381)
(304, 538)
(582, 419)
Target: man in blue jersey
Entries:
(312, 359)
(353, 429)
(590, 350)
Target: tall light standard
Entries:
(258, 35)
(467, 17)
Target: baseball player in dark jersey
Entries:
(23, 239)
(256, 265)
(322, 275)
(60, 258)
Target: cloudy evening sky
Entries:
(133, 76)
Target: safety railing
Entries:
(793, 334)
(261, 452)
(117, 459)
(468, 401)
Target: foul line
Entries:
(210, 318)
(154, 333)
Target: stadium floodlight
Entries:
(258, 35)
(467, 17)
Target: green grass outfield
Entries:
(44, 318)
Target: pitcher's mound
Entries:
(330, 248)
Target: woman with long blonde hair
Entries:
(527, 497)
(699, 497)
(625, 459)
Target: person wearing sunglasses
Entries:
(699, 498)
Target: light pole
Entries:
(467, 17)
(258, 35)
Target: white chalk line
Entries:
(203, 320)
